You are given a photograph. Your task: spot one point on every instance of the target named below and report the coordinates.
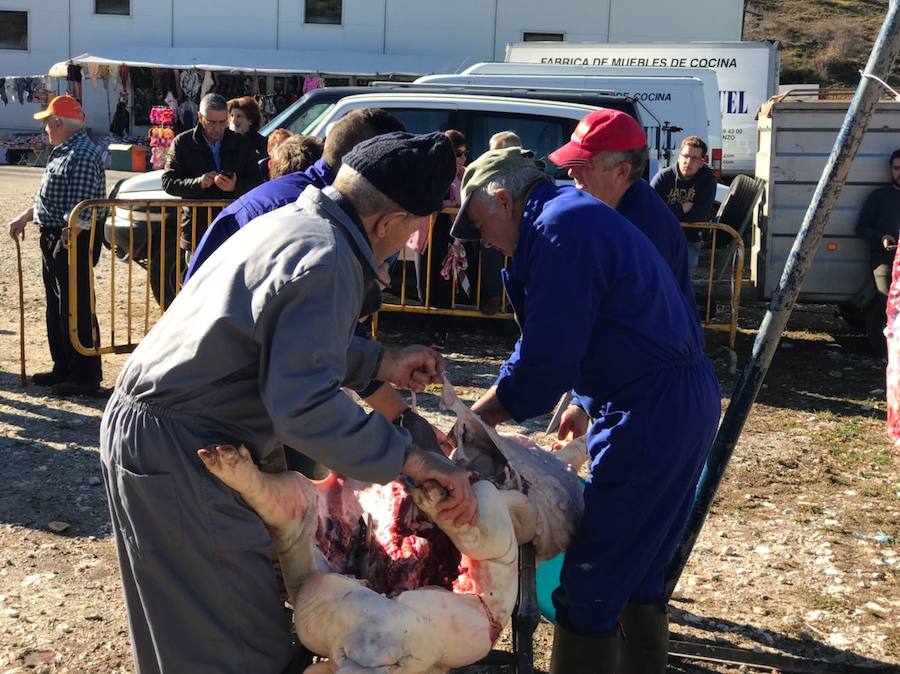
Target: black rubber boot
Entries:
(577, 654)
(645, 649)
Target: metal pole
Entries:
(805, 245)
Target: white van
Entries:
(747, 76)
(542, 125)
(672, 107)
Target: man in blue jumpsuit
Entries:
(601, 313)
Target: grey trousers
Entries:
(200, 588)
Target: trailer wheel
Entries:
(876, 320)
(735, 209)
(853, 316)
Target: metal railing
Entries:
(143, 233)
(722, 259)
(406, 303)
(146, 234)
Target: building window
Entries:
(542, 37)
(323, 11)
(119, 7)
(14, 30)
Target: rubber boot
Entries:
(645, 649)
(577, 654)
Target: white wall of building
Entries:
(465, 30)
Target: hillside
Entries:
(824, 41)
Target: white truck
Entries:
(795, 140)
(672, 106)
(747, 76)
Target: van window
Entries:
(542, 135)
(418, 120)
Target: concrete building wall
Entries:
(467, 31)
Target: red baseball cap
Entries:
(603, 129)
(62, 106)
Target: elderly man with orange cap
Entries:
(601, 313)
(74, 173)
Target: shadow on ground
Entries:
(51, 462)
(719, 630)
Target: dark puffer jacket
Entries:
(191, 157)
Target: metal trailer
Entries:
(795, 140)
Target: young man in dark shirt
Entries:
(879, 222)
(689, 188)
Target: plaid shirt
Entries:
(74, 173)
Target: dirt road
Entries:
(799, 556)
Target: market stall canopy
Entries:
(266, 61)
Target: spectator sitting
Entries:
(689, 189)
(244, 118)
(208, 162)
(296, 153)
(878, 224)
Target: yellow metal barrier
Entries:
(732, 256)
(407, 304)
(139, 232)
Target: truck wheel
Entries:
(735, 208)
(853, 315)
(876, 320)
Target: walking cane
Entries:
(21, 312)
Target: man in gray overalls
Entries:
(255, 351)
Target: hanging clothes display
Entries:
(21, 82)
(93, 73)
(190, 83)
(105, 76)
(208, 84)
(123, 76)
(312, 82)
(3, 91)
(121, 121)
(161, 135)
(73, 77)
(187, 114)
(10, 88)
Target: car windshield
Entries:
(297, 123)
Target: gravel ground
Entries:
(799, 555)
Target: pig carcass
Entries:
(376, 584)
(892, 335)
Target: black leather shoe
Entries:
(75, 388)
(47, 378)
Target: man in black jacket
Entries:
(689, 188)
(209, 162)
(878, 224)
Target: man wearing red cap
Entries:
(601, 314)
(74, 173)
(606, 158)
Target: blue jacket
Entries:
(598, 307)
(649, 213)
(267, 197)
